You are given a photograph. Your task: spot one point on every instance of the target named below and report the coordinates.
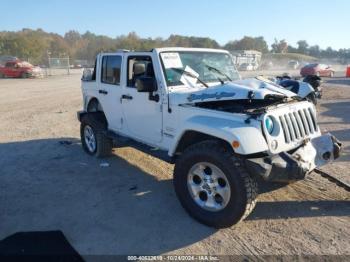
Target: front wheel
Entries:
(213, 185)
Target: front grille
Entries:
(298, 125)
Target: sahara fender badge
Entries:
(204, 96)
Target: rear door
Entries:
(109, 89)
(143, 116)
(10, 69)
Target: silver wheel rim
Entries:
(90, 139)
(208, 186)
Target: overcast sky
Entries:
(322, 22)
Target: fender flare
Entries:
(90, 100)
(249, 136)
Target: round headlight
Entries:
(269, 124)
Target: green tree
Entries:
(303, 47)
(314, 51)
(280, 46)
(248, 43)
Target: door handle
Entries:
(129, 97)
(102, 92)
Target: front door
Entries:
(142, 116)
(109, 90)
(11, 70)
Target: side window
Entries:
(139, 66)
(110, 73)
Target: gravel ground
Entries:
(130, 207)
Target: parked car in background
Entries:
(20, 69)
(317, 69)
(76, 66)
(293, 64)
(246, 67)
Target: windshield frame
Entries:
(210, 83)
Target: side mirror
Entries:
(146, 84)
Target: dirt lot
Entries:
(45, 185)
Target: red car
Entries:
(317, 69)
(19, 69)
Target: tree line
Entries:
(37, 45)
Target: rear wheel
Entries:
(24, 75)
(2, 75)
(93, 138)
(213, 185)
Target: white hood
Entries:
(229, 91)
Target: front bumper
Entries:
(295, 165)
(35, 74)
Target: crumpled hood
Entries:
(234, 90)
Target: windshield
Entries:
(207, 67)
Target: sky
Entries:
(321, 22)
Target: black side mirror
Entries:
(146, 84)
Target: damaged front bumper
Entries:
(296, 165)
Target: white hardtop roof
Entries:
(169, 49)
(190, 49)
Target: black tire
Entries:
(98, 125)
(24, 75)
(243, 187)
(2, 75)
(312, 98)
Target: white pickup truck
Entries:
(221, 132)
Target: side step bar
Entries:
(121, 141)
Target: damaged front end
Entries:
(295, 145)
(296, 164)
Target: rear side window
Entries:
(111, 70)
(10, 65)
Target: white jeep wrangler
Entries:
(221, 132)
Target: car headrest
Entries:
(139, 69)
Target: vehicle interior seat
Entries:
(139, 69)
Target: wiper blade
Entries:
(183, 71)
(218, 71)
